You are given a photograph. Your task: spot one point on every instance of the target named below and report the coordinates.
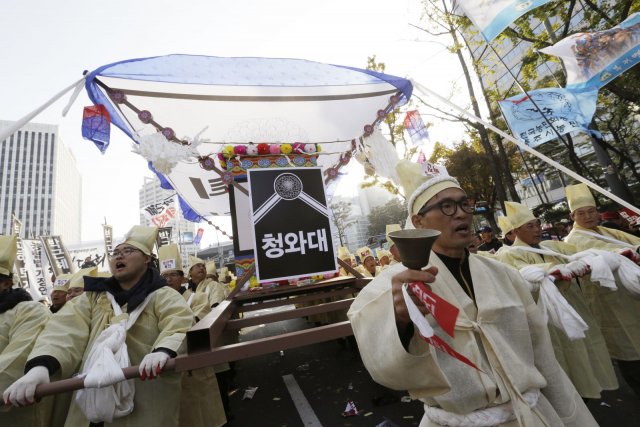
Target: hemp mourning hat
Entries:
(505, 224)
(343, 253)
(169, 258)
(77, 279)
(421, 183)
(8, 251)
(579, 196)
(518, 214)
(194, 260)
(141, 237)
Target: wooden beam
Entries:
(293, 313)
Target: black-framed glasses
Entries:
(124, 252)
(449, 207)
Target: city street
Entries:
(315, 382)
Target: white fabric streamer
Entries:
(106, 394)
(416, 316)
(487, 417)
(628, 271)
(554, 306)
(600, 268)
(605, 238)
(382, 155)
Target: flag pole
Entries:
(526, 148)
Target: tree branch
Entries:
(599, 11)
(516, 34)
(565, 31)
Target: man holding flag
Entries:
(515, 380)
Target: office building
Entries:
(39, 183)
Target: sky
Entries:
(47, 45)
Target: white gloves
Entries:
(152, 365)
(22, 392)
(578, 268)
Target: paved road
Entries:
(329, 374)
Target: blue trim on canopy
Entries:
(242, 71)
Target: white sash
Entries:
(605, 238)
(545, 251)
(106, 394)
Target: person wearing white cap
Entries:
(369, 268)
(618, 312)
(200, 283)
(59, 291)
(499, 328)
(135, 306)
(344, 255)
(75, 286)
(21, 320)
(585, 360)
(384, 258)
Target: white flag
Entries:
(493, 16)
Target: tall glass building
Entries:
(39, 183)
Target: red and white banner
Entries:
(442, 311)
(160, 213)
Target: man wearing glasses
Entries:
(160, 320)
(617, 311)
(498, 328)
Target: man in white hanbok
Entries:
(499, 328)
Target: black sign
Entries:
(164, 236)
(291, 226)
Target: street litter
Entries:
(249, 392)
(350, 410)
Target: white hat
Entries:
(364, 252)
(420, 188)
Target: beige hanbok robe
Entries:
(200, 401)
(366, 272)
(214, 291)
(505, 335)
(617, 312)
(586, 361)
(70, 333)
(19, 328)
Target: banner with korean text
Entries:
(164, 236)
(58, 256)
(160, 213)
(107, 231)
(38, 272)
(566, 111)
(290, 217)
(19, 264)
